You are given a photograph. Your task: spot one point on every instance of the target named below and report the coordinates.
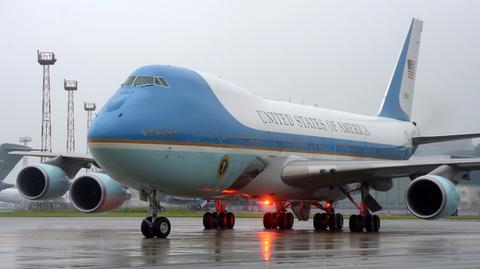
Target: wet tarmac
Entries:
(116, 243)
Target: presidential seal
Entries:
(223, 166)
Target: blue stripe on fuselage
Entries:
(189, 112)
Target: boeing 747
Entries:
(188, 134)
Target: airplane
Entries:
(185, 133)
(13, 196)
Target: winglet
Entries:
(397, 102)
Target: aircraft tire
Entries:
(282, 221)
(319, 221)
(270, 220)
(357, 223)
(266, 223)
(290, 220)
(230, 220)
(221, 220)
(146, 227)
(208, 220)
(337, 222)
(214, 224)
(369, 223)
(376, 223)
(161, 227)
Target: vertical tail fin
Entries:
(397, 102)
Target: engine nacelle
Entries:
(432, 197)
(42, 182)
(97, 192)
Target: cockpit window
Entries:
(163, 82)
(129, 81)
(139, 81)
(146, 81)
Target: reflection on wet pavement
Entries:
(116, 242)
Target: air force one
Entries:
(181, 132)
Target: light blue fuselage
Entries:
(174, 139)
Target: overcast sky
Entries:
(337, 54)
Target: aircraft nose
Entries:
(111, 121)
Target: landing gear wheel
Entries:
(146, 227)
(320, 221)
(214, 223)
(270, 220)
(376, 223)
(221, 220)
(357, 223)
(152, 225)
(230, 220)
(290, 220)
(282, 221)
(208, 220)
(266, 220)
(336, 222)
(161, 227)
(372, 223)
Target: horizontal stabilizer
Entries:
(442, 138)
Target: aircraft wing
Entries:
(7, 161)
(420, 140)
(84, 157)
(70, 163)
(310, 174)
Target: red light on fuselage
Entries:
(228, 191)
(267, 202)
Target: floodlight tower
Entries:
(46, 59)
(70, 86)
(89, 107)
(25, 140)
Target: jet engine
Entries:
(42, 182)
(97, 192)
(432, 197)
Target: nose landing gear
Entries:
(154, 226)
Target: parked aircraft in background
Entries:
(188, 134)
(12, 196)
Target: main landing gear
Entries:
(365, 220)
(220, 219)
(281, 219)
(154, 226)
(331, 220)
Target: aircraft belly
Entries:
(269, 184)
(176, 172)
